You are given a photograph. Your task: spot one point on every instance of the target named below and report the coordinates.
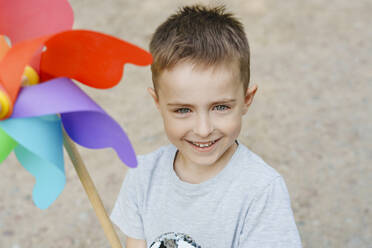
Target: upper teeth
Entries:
(204, 145)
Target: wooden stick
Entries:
(91, 191)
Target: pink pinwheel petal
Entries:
(27, 19)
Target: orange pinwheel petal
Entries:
(25, 19)
(13, 64)
(4, 47)
(92, 58)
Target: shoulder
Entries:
(252, 165)
(252, 172)
(150, 159)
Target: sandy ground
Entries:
(311, 120)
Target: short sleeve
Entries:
(269, 221)
(126, 212)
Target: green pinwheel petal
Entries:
(7, 144)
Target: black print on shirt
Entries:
(174, 240)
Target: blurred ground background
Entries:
(311, 120)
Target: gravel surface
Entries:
(311, 120)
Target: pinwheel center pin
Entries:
(5, 104)
(30, 77)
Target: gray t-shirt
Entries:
(246, 205)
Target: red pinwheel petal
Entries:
(13, 64)
(92, 58)
(25, 19)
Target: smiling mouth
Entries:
(203, 144)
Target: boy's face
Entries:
(202, 109)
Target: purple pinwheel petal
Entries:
(59, 95)
(98, 130)
(85, 122)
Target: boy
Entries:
(206, 189)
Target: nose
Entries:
(203, 126)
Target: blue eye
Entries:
(183, 110)
(221, 107)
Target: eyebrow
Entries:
(190, 105)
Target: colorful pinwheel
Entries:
(31, 117)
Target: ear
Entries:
(154, 96)
(251, 91)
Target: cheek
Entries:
(234, 126)
(230, 120)
(229, 124)
(175, 127)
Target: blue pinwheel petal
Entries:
(40, 152)
(50, 181)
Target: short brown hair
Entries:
(203, 35)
